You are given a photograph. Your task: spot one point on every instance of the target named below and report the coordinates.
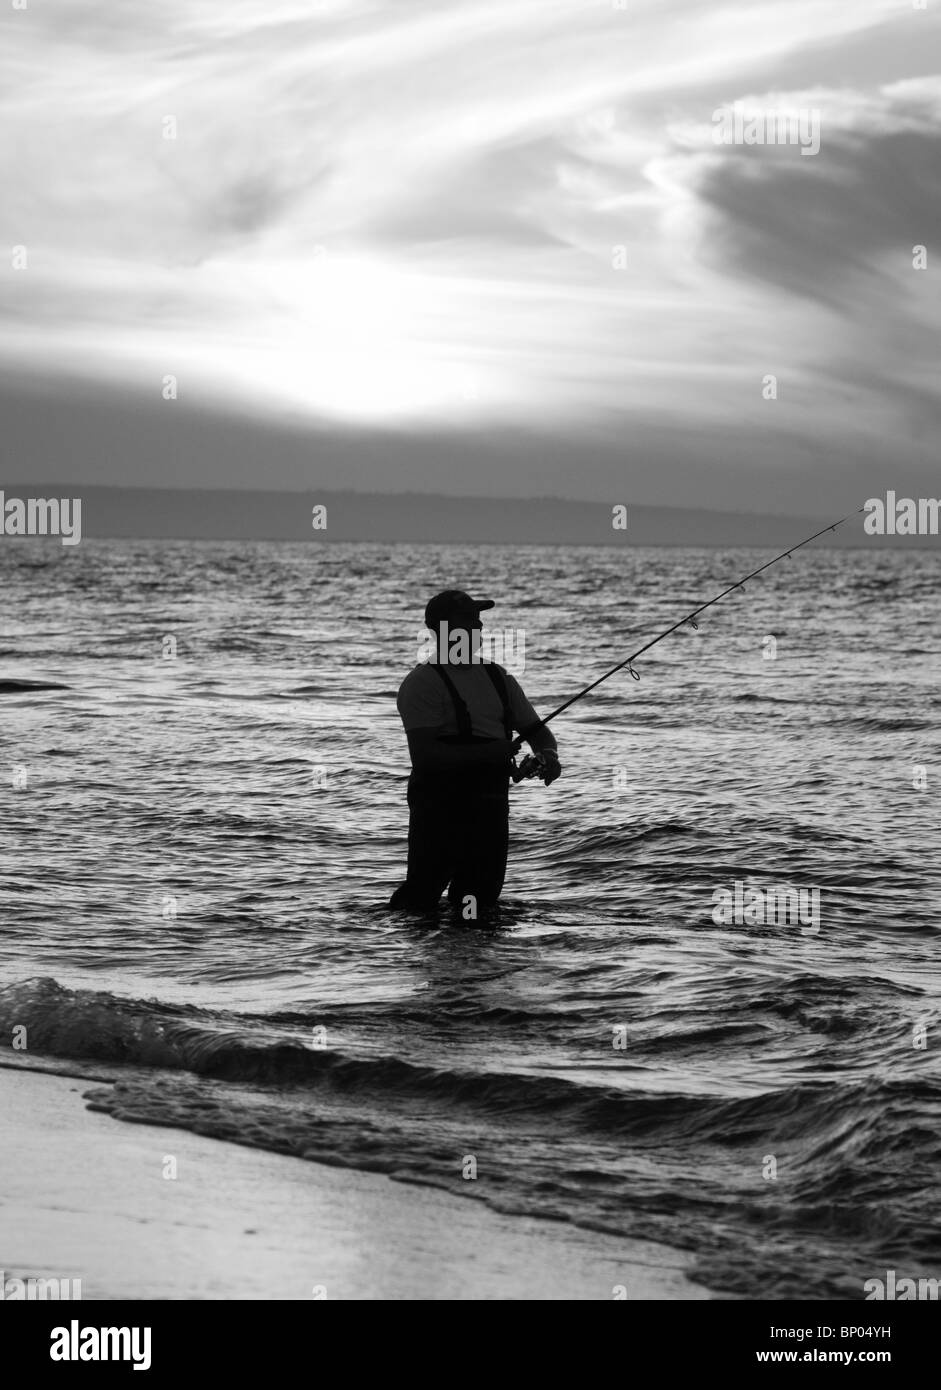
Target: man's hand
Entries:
(551, 767)
(544, 763)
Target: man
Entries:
(460, 714)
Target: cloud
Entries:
(810, 224)
(404, 216)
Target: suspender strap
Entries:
(461, 712)
(498, 680)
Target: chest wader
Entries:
(458, 830)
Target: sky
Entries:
(488, 247)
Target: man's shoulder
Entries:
(418, 680)
(498, 674)
(506, 676)
(421, 700)
(418, 674)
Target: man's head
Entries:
(455, 608)
(453, 611)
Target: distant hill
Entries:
(366, 516)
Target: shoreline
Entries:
(90, 1197)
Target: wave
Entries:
(21, 687)
(878, 724)
(855, 1190)
(752, 697)
(102, 1027)
(593, 840)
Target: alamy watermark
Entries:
(892, 1289)
(735, 125)
(760, 907)
(34, 1289)
(458, 646)
(77, 1343)
(42, 516)
(901, 516)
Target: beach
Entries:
(85, 1197)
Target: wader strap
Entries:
(461, 712)
(498, 680)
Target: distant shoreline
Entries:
(132, 513)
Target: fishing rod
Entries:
(531, 764)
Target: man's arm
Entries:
(540, 738)
(430, 754)
(531, 728)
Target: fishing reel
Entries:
(531, 766)
(536, 765)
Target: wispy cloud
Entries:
(405, 216)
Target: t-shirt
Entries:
(424, 701)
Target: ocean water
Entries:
(200, 835)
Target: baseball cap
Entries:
(453, 604)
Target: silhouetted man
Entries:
(460, 714)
